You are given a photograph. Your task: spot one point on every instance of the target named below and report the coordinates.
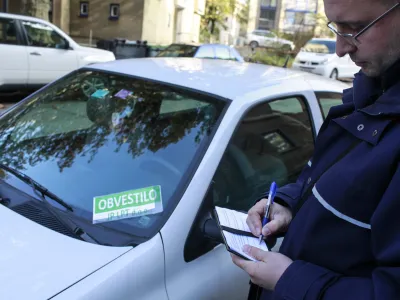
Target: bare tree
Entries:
(36, 8)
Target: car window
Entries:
(320, 46)
(205, 52)
(41, 35)
(177, 50)
(270, 34)
(222, 53)
(95, 134)
(327, 100)
(273, 142)
(8, 32)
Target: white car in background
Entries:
(319, 56)
(269, 39)
(179, 135)
(34, 52)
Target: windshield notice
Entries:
(128, 204)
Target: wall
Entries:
(253, 15)
(61, 14)
(170, 21)
(128, 26)
(158, 22)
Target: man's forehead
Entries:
(352, 11)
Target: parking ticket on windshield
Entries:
(128, 204)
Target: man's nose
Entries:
(344, 47)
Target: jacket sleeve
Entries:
(303, 280)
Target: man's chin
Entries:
(370, 72)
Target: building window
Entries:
(266, 20)
(268, 3)
(84, 9)
(114, 11)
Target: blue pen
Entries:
(271, 196)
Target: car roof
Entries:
(22, 17)
(225, 78)
(323, 39)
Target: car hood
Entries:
(37, 263)
(315, 57)
(95, 51)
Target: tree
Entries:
(215, 16)
(36, 8)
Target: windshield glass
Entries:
(320, 46)
(95, 136)
(178, 51)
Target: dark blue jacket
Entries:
(345, 239)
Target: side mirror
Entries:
(66, 45)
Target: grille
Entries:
(34, 212)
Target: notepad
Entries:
(236, 232)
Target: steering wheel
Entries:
(91, 84)
(166, 164)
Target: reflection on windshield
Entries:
(327, 47)
(94, 133)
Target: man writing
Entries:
(342, 216)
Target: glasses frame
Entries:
(353, 37)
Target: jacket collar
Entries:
(376, 96)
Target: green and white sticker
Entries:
(128, 204)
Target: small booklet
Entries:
(236, 233)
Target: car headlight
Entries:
(324, 62)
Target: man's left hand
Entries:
(267, 270)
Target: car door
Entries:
(326, 100)
(13, 56)
(346, 67)
(273, 141)
(49, 57)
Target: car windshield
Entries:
(102, 141)
(178, 51)
(316, 46)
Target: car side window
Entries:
(41, 35)
(222, 53)
(327, 100)
(205, 52)
(8, 32)
(273, 142)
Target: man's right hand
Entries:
(280, 218)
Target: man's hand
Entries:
(280, 218)
(265, 272)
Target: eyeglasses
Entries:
(352, 38)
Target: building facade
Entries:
(157, 22)
(289, 16)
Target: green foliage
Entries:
(271, 57)
(215, 16)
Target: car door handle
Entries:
(35, 53)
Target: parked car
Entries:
(108, 175)
(319, 56)
(213, 51)
(266, 38)
(34, 52)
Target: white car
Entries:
(319, 56)
(266, 38)
(106, 190)
(34, 52)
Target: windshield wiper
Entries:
(37, 187)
